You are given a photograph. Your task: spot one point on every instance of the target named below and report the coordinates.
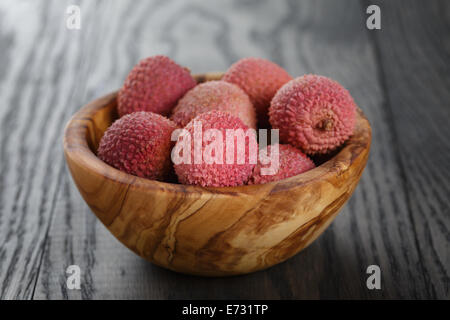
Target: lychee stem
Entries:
(325, 124)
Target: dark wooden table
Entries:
(398, 217)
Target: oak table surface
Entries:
(397, 218)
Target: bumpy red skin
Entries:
(214, 95)
(260, 79)
(291, 163)
(313, 113)
(155, 84)
(216, 175)
(139, 144)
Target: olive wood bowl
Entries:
(210, 231)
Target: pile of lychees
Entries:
(314, 115)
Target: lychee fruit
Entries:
(215, 149)
(155, 84)
(214, 95)
(286, 162)
(139, 144)
(313, 113)
(260, 79)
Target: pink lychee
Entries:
(213, 168)
(260, 79)
(214, 95)
(313, 113)
(139, 143)
(155, 84)
(291, 162)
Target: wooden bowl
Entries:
(210, 231)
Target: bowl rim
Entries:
(76, 148)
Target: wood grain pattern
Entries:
(210, 231)
(420, 127)
(397, 218)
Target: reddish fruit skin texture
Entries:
(313, 113)
(139, 144)
(214, 95)
(260, 79)
(216, 175)
(155, 84)
(291, 163)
